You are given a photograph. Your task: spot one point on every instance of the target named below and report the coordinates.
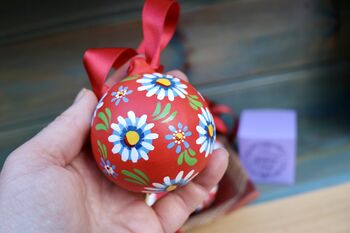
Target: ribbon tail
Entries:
(98, 62)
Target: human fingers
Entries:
(63, 138)
(178, 74)
(174, 209)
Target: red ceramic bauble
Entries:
(152, 133)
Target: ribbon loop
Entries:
(159, 19)
(98, 63)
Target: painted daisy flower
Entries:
(171, 184)
(121, 95)
(108, 168)
(99, 105)
(178, 137)
(132, 137)
(207, 132)
(163, 85)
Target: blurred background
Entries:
(243, 53)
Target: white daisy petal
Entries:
(188, 176)
(200, 130)
(132, 117)
(151, 136)
(143, 154)
(122, 121)
(116, 148)
(157, 185)
(200, 140)
(142, 88)
(170, 95)
(144, 80)
(179, 93)
(167, 180)
(134, 155)
(148, 126)
(149, 76)
(201, 118)
(125, 154)
(181, 85)
(179, 176)
(147, 145)
(152, 91)
(161, 94)
(158, 75)
(142, 121)
(204, 145)
(115, 127)
(113, 138)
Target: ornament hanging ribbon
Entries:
(159, 20)
(218, 110)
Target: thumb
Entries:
(63, 139)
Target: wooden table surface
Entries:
(323, 211)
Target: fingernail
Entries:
(80, 95)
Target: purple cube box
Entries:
(267, 144)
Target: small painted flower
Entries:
(207, 132)
(121, 95)
(163, 85)
(178, 137)
(99, 105)
(171, 184)
(108, 168)
(132, 137)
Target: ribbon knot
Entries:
(159, 20)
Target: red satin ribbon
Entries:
(217, 110)
(159, 20)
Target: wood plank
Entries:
(324, 211)
(242, 38)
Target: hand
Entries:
(52, 184)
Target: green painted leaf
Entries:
(133, 181)
(104, 151)
(100, 151)
(130, 78)
(165, 112)
(180, 158)
(99, 144)
(103, 117)
(101, 126)
(192, 152)
(195, 102)
(194, 96)
(190, 160)
(157, 111)
(109, 114)
(193, 106)
(141, 173)
(170, 118)
(133, 176)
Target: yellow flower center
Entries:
(179, 136)
(171, 188)
(164, 82)
(120, 93)
(131, 138)
(210, 130)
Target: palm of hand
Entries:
(53, 185)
